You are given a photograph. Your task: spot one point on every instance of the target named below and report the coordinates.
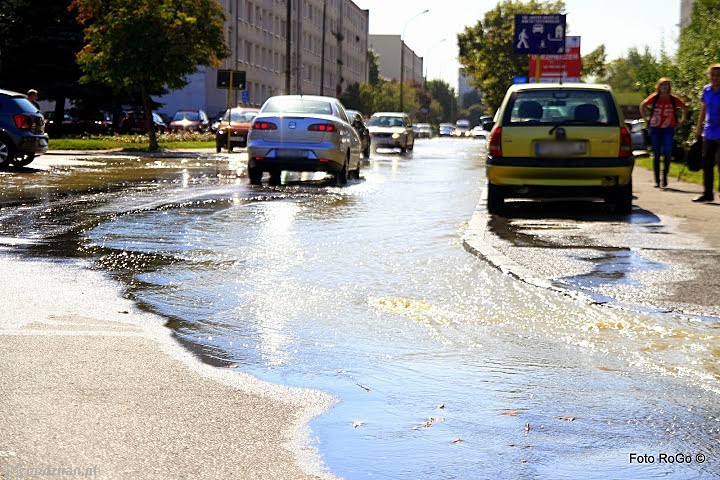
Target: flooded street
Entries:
(443, 366)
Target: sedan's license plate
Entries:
(291, 152)
(544, 149)
(237, 138)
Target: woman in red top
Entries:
(659, 109)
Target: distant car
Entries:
(423, 130)
(445, 129)
(134, 122)
(235, 124)
(358, 121)
(22, 130)
(303, 133)
(52, 128)
(478, 132)
(532, 152)
(638, 134)
(190, 121)
(391, 130)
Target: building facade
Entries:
(686, 7)
(387, 48)
(328, 51)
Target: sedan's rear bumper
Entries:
(291, 157)
(33, 143)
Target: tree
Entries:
(486, 49)
(444, 95)
(145, 46)
(38, 44)
(594, 63)
(699, 47)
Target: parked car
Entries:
(52, 128)
(303, 133)
(585, 152)
(232, 131)
(358, 121)
(423, 130)
(638, 134)
(134, 122)
(445, 129)
(391, 130)
(22, 130)
(190, 121)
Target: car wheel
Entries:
(623, 199)
(356, 172)
(6, 155)
(22, 160)
(341, 177)
(255, 176)
(275, 177)
(495, 199)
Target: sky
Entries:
(618, 24)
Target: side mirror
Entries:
(487, 126)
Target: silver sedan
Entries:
(303, 133)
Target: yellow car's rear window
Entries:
(561, 107)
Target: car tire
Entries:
(341, 177)
(623, 199)
(6, 154)
(495, 199)
(255, 176)
(275, 177)
(23, 160)
(356, 172)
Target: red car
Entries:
(232, 131)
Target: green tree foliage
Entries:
(486, 49)
(593, 64)
(446, 99)
(144, 46)
(698, 48)
(38, 44)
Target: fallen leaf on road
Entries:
(358, 424)
(567, 418)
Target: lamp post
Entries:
(427, 70)
(402, 56)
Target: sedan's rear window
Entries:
(297, 105)
(552, 107)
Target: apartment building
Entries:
(328, 52)
(387, 48)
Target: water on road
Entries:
(443, 366)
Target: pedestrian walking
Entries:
(659, 110)
(32, 95)
(708, 129)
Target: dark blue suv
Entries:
(22, 130)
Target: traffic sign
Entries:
(539, 34)
(224, 78)
(245, 96)
(553, 68)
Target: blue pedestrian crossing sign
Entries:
(539, 34)
(245, 96)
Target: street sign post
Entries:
(539, 34)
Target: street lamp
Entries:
(427, 70)
(402, 56)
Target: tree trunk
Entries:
(149, 121)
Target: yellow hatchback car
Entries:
(559, 140)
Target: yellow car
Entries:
(559, 140)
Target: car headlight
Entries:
(395, 136)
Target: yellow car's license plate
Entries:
(552, 149)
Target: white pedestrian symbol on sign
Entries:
(523, 43)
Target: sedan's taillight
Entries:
(496, 142)
(260, 125)
(22, 121)
(625, 143)
(322, 127)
